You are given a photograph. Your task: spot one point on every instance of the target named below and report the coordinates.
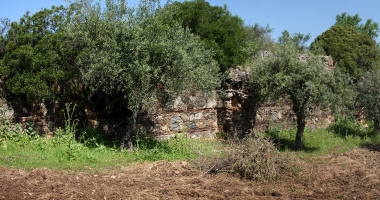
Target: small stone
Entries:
(174, 127)
(176, 120)
(211, 103)
(184, 164)
(185, 117)
(201, 125)
(192, 125)
(198, 116)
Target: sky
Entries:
(296, 16)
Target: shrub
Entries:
(353, 52)
(368, 99)
(254, 158)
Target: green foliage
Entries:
(221, 32)
(352, 52)
(347, 127)
(371, 28)
(257, 39)
(298, 38)
(93, 138)
(33, 61)
(307, 84)
(368, 98)
(133, 52)
(63, 152)
(341, 136)
(5, 24)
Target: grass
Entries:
(341, 136)
(89, 149)
(73, 155)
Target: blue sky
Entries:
(311, 16)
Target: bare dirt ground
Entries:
(351, 175)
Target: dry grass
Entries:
(254, 158)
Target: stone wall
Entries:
(198, 115)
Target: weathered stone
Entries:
(174, 127)
(93, 122)
(192, 125)
(274, 116)
(185, 117)
(211, 103)
(279, 115)
(176, 120)
(201, 124)
(210, 122)
(198, 116)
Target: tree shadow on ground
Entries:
(371, 146)
(287, 143)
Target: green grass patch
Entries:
(23, 148)
(341, 136)
(61, 153)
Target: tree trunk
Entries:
(300, 129)
(132, 129)
(377, 124)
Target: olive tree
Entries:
(6, 23)
(130, 50)
(306, 83)
(368, 98)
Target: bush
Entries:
(368, 99)
(254, 158)
(353, 52)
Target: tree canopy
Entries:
(33, 63)
(353, 52)
(5, 24)
(298, 38)
(222, 32)
(370, 27)
(257, 39)
(368, 98)
(133, 51)
(307, 84)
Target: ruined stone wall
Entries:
(198, 116)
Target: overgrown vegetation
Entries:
(368, 98)
(34, 63)
(254, 158)
(306, 83)
(221, 32)
(22, 147)
(352, 52)
(149, 54)
(370, 27)
(340, 136)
